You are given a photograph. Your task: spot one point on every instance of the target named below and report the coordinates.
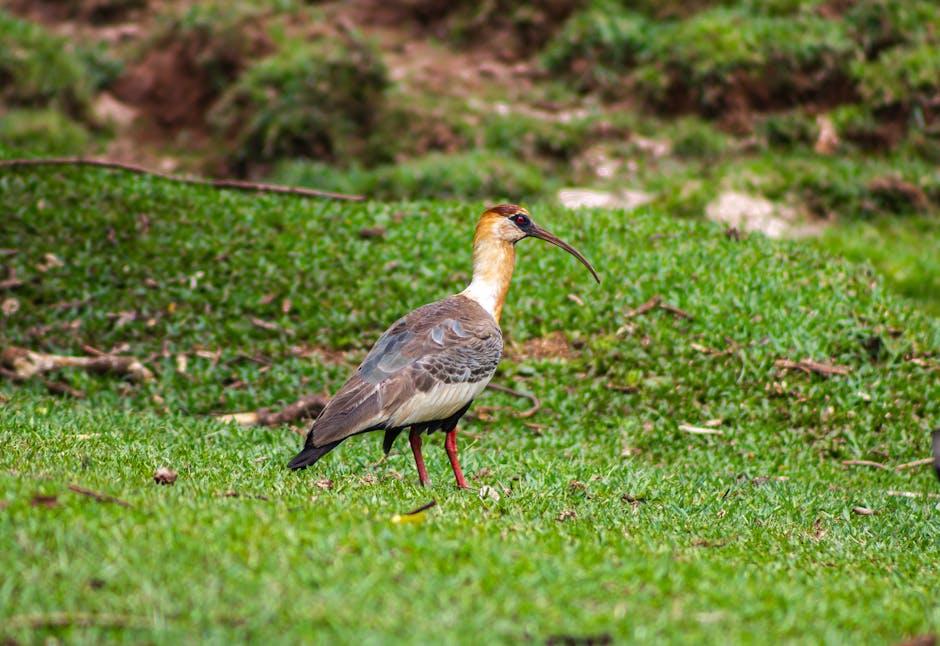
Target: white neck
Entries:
(493, 262)
(486, 292)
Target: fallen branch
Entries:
(100, 497)
(304, 408)
(863, 463)
(809, 366)
(536, 404)
(26, 364)
(237, 184)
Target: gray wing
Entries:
(453, 341)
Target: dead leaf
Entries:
(566, 515)
(10, 306)
(50, 261)
(43, 500)
(164, 476)
(863, 511)
(487, 491)
(368, 233)
(324, 483)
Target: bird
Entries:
(425, 371)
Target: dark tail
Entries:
(310, 454)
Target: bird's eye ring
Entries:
(520, 219)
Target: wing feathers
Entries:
(426, 367)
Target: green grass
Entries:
(900, 249)
(746, 534)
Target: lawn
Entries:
(599, 516)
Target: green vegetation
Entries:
(474, 175)
(321, 100)
(42, 132)
(610, 519)
(904, 251)
(38, 69)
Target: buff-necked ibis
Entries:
(426, 370)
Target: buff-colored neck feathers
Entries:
(494, 258)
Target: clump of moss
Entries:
(42, 132)
(319, 100)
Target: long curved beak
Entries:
(536, 231)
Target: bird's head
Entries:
(511, 223)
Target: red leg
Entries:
(450, 444)
(415, 439)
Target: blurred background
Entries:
(817, 119)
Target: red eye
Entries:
(520, 219)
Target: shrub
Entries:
(902, 76)
(879, 24)
(598, 45)
(765, 61)
(318, 100)
(38, 69)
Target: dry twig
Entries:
(536, 404)
(916, 463)
(237, 184)
(863, 463)
(657, 302)
(305, 407)
(100, 497)
(81, 619)
(700, 430)
(809, 366)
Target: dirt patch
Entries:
(508, 30)
(553, 346)
(95, 12)
(179, 78)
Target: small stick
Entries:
(100, 497)
(915, 463)
(423, 507)
(672, 309)
(536, 404)
(65, 619)
(699, 430)
(863, 463)
(808, 366)
(651, 304)
(305, 407)
(237, 184)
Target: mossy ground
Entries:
(610, 519)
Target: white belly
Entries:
(442, 401)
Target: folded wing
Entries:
(426, 367)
